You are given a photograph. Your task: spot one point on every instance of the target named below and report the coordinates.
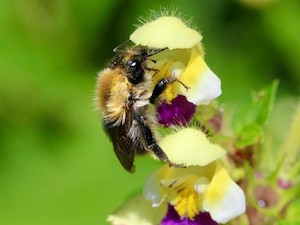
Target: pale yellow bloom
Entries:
(206, 187)
(183, 58)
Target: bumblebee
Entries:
(124, 93)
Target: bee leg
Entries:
(152, 69)
(151, 143)
(162, 85)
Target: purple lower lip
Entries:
(172, 218)
(178, 112)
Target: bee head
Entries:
(135, 65)
(134, 62)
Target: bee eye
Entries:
(135, 71)
(133, 63)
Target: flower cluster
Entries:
(223, 178)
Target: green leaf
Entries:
(250, 135)
(292, 214)
(252, 114)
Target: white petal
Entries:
(207, 89)
(201, 185)
(224, 199)
(137, 211)
(152, 190)
(177, 68)
(203, 83)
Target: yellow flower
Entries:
(183, 58)
(203, 186)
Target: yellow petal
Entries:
(203, 83)
(190, 147)
(186, 201)
(168, 68)
(178, 188)
(152, 190)
(137, 211)
(224, 199)
(165, 32)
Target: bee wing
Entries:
(122, 145)
(125, 153)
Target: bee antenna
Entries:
(116, 49)
(156, 51)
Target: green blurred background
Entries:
(56, 164)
